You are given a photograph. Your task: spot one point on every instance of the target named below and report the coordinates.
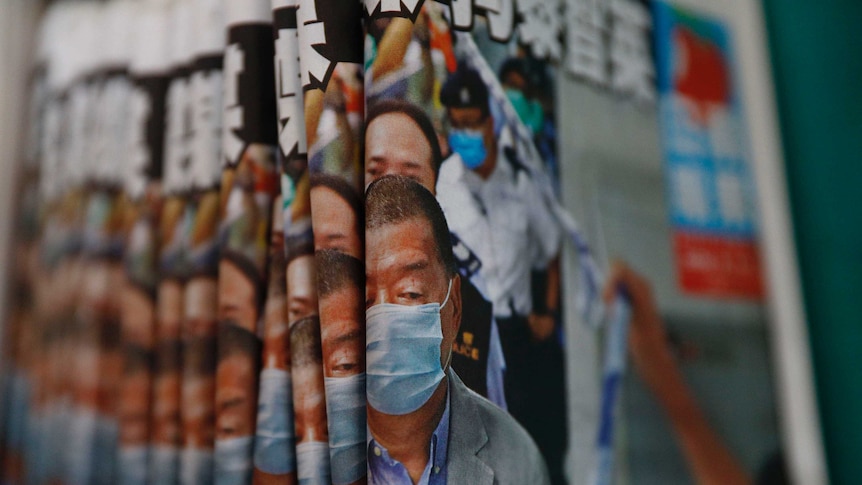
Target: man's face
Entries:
(473, 119)
(200, 304)
(309, 407)
(334, 223)
(394, 145)
(514, 80)
(198, 411)
(237, 298)
(166, 408)
(134, 408)
(342, 332)
(236, 410)
(403, 267)
(301, 289)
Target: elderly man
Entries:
(400, 140)
(424, 425)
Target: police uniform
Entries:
(506, 221)
(477, 354)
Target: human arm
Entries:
(313, 110)
(709, 459)
(392, 48)
(542, 323)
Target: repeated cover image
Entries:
(295, 242)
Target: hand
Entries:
(541, 326)
(647, 336)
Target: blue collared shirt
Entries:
(384, 470)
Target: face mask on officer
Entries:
(529, 111)
(470, 146)
(274, 444)
(403, 355)
(345, 411)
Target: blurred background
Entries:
(778, 376)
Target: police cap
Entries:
(465, 89)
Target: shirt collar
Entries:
(388, 470)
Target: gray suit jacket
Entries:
(486, 445)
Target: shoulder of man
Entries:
(508, 449)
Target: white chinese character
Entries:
(177, 136)
(138, 159)
(689, 197)
(291, 132)
(393, 6)
(311, 33)
(234, 65)
(632, 70)
(587, 23)
(462, 13)
(540, 28)
(206, 127)
(501, 18)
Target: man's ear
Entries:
(455, 298)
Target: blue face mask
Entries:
(82, 432)
(402, 355)
(470, 145)
(104, 451)
(18, 412)
(233, 460)
(312, 459)
(345, 412)
(132, 467)
(196, 466)
(530, 112)
(164, 464)
(274, 441)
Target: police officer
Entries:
(495, 206)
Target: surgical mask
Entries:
(233, 460)
(164, 464)
(470, 145)
(402, 354)
(132, 468)
(196, 466)
(104, 453)
(312, 459)
(275, 437)
(82, 433)
(345, 413)
(53, 446)
(36, 456)
(530, 112)
(18, 412)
